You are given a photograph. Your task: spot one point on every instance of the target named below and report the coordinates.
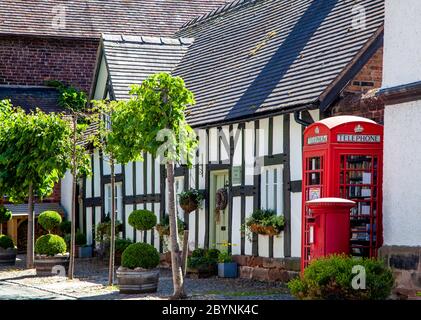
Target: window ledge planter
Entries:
(49, 265)
(137, 280)
(264, 230)
(8, 256)
(228, 270)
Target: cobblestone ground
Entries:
(91, 277)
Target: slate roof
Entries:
(258, 56)
(22, 209)
(131, 59)
(29, 98)
(90, 18)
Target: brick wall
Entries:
(56, 195)
(31, 61)
(358, 97)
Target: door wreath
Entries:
(221, 202)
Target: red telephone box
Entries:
(343, 158)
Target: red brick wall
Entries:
(358, 98)
(31, 61)
(56, 195)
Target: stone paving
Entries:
(91, 277)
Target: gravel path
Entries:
(91, 277)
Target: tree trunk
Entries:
(30, 240)
(73, 222)
(177, 272)
(112, 238)
(185, 251)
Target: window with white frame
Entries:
(271, 188)
(118, 199)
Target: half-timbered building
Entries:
(261, 71)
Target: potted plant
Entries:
(190, 200)
(102, 237)
(7, 247)
(163, 227)
(82, 248)
(265, 222)
(50, 249)
(203, 263)
(120, 246)
(227, 268)
(138, 273)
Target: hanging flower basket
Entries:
(190, 200)
(190, 205)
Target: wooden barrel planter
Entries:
(51, 265)
(8, 256)
(137, 281)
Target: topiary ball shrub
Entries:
(5, 214)
(121, 245)
(49, 220)
(142, 219)
(50, 245)
(331, 278)
(6, 242)
(140, 255)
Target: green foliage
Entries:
(5, 214)
(35, 149)
(212, 255)
(142, 219)
(122, 244)
(49, 220)
(50, 245)
(192, 194)
(164, 225)
(265, 218)
(103, 230)
(6, 242)
(224, 257)
(80, 238)
(65, 227)
(331, 278)
(203, 258)
(70, 98)
(140, 255)
(198, 253)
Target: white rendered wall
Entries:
(402, 179)
(402, 45)
(66, 194)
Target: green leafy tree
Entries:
(75, 102)
(34, 155)
(113, 140)
(159, 105)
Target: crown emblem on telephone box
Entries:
(316, 130)
(358, 129)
